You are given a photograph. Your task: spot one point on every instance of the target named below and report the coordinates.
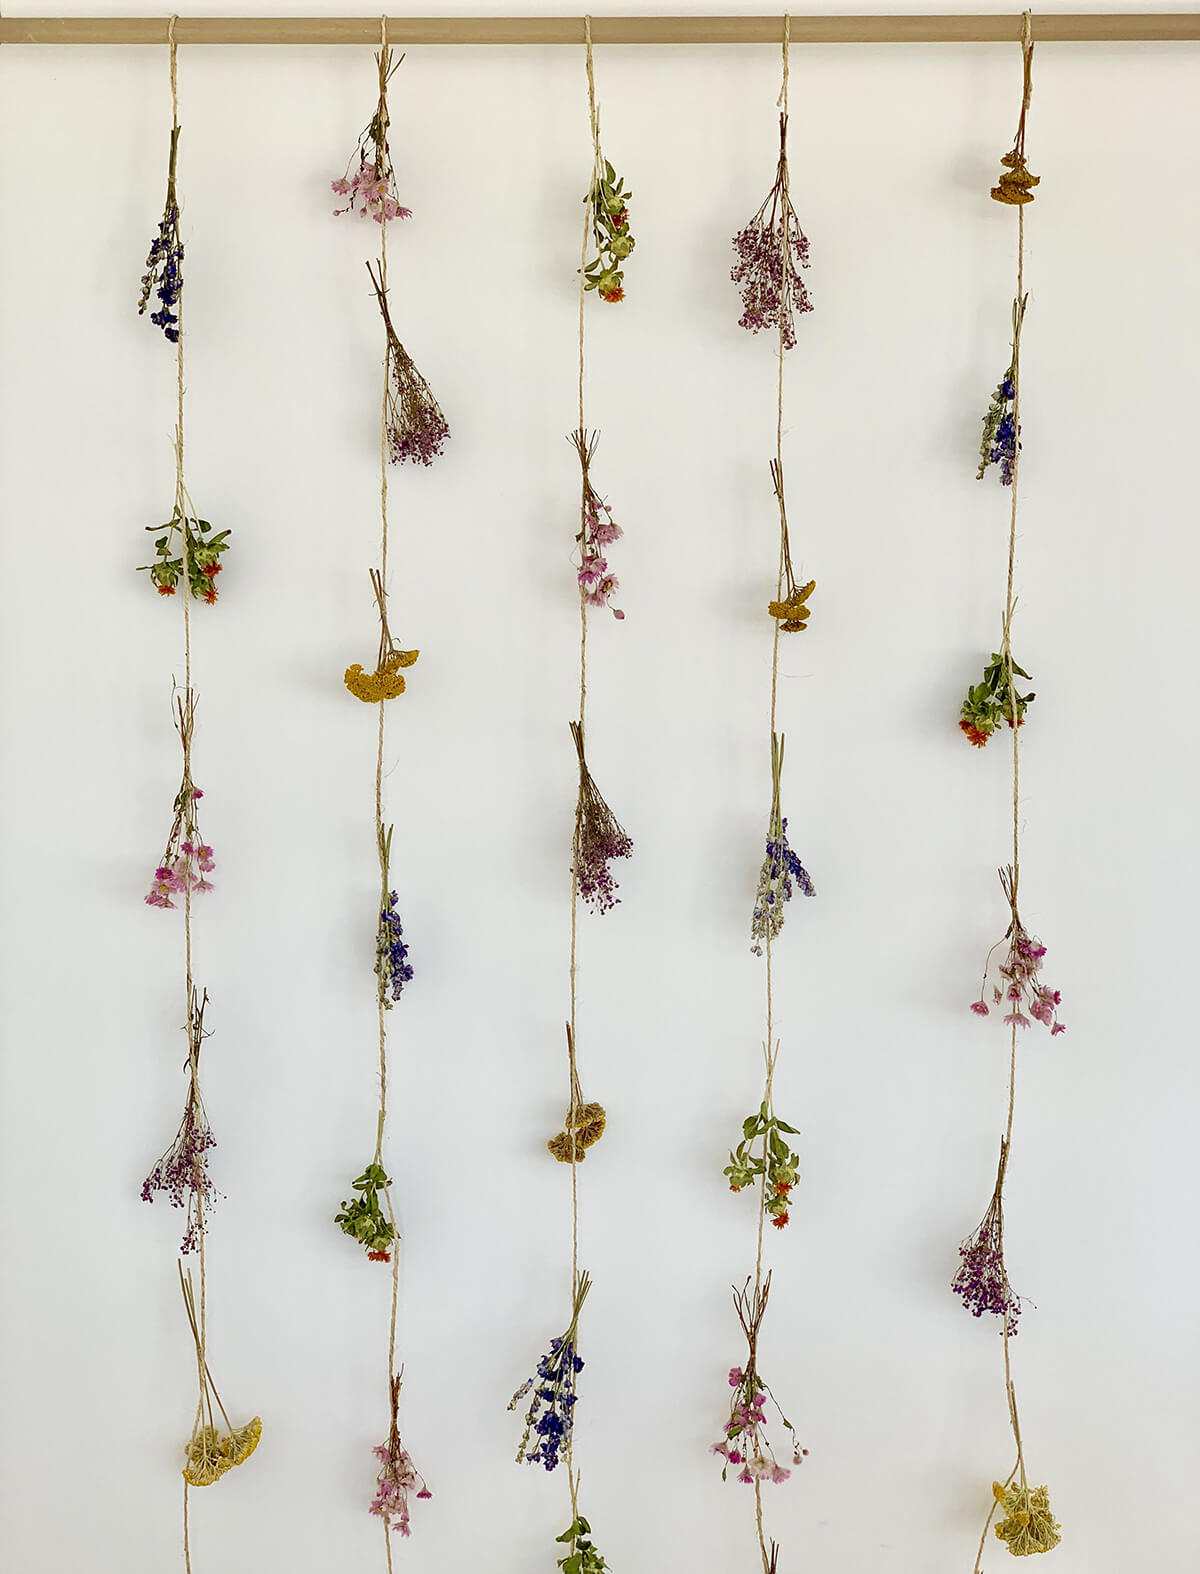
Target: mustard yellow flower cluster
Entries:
(1028, 1525)
(792, 609)
(585, 1125)
(385, 683)
(210, 1454)
(1015, 185)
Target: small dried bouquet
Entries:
(551, 1415)
(387, 681)
(599, 839)
(416, 428)
(187, 859)
(782, 873)
(745, 1445)
(370, 189)
(1019, 988)
(212, 1450)
(597, 531)
(398, 1476)
(771, 251)
(609, 205)
(181, 1174)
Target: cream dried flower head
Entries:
(1028, 1525)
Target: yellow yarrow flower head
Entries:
(206, 1461)
(1028, 1525)
(385, 683)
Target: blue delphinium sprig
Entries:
(782, 873)
(551, 1413)
(392, 967)
(164, 264)
(999, 445)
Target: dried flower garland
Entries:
(982, 1281)
(411, 427)
(771, 252)
(188, 553)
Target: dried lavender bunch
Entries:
(982, 1279)
(782, 872)
(599, 839)
(398, 1475)
(1001, 431)
(416, 428)
(182, 1173)
(392, 967)
(164, 264)
(551, 1414)
(1020, 989)
(772, 293)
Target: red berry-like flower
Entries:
(379, 1256)
(780, 1220)
(613, 295)
(974, 735)
(211, 569)
(166, 590)
(782, 1188)
(210, 595)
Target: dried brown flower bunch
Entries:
(584, 1124)
(1015, 186)
(793, 610)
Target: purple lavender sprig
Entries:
(1000, 433)
(771, 293)
(982, 1279)
(164, 263)
(181, 1174)
(392, 967)
(599, 839)
(551, 1414)
(782, 873)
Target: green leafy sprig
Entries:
(992, 702)
(203, 556)
(610, 235)
(583, 1557)
(764, 1152)
(362, 1218)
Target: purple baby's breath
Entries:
(767, 271)
(599, 840)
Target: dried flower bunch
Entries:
(611, 239)
(584, 1124)
(774, 1168)
(416, 427)
(582, 1556)
(771, 251)
(745, 1445)
(163, 277)
(187, 860)
(1028, 1525)
(994, 701)
(371, 188)
(181, 1174)
(398, 1476)
(203, 552)
(1001, 429)
(387, 681)
(597, 531)
(982, 1279)
(1020, 989)
(551, 1414)
(792, 610)
(599, 839)
(392, 968)
(362, 1218)
(782, 872)
(1015, 186)
(212, 1450)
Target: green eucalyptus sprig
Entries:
(203, 556)
(992, 702)
(763, 1152)
(362, 1218)
(610, 235)
(583, 1557)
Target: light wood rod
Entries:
(1170, 27)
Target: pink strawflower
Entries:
(371, 196)
(398, 1477)
(1019, 975)
(978, 1007)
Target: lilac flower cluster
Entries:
(182, 1173)
(1021, 990)
(745, 1445)
(598, 530)
(1000, 431)
(599, 839)
(398, 1477)
(781, 867)
(981, 1280)
(392, 967)
(164, 273)
(551, 1414)
(772, 293)
(371, 193)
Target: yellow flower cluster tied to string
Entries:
(387, 681)
(585, 1123)
(1028, 1525)
(211, 1453)
(1015, 186)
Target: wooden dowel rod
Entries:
(1170, 27)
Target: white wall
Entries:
(898, 1090)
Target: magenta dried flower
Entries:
(181, 1175)
(597, 531)
(982, 1279)
(1020, 989)
(773, 293)
(416, 428)
(398, 1475)
(745, 1446)
(599, 839)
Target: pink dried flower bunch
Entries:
(745, 1445)
(370, 194)
(1020, 989)
(398, 1477)
(597, 531)
(187, 859)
